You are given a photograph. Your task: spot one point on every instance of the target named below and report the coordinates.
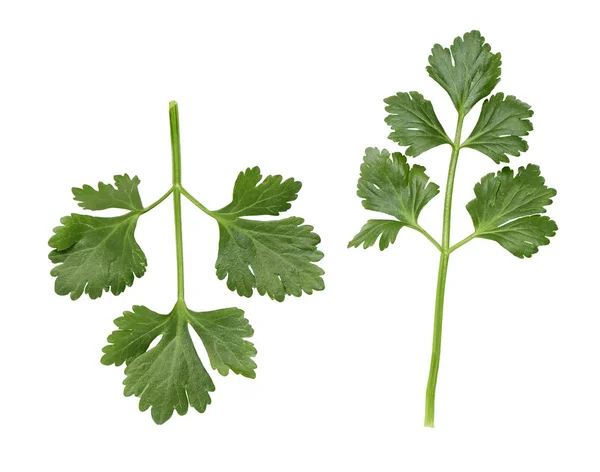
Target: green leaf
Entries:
(270, 197)
(137, 330)
(468, 71)
(387, 229)
(95, 254)
(123, 195)
(275, 257)
(501, 124)
(170, 376)
(223, 332)
(414, 122)
(392, 186)
(507, 208)
(523, 236)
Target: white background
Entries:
(297, 88)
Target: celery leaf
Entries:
(171, 376)
(95, 254)
(385, 230)
(499, 128)
(507, 209)
(123, 195)
(414, 123)
(388, 184)
(269, 197)
(468, 71)
(275, 257)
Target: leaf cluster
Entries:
(507, 207)
(275, 257)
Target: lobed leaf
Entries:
(390, 185)
(95, 254)
(468, 71)
(499, 128)
(523, 236)
(170, 376)
(222, 333)
(275, 257)
(137, 330)
(269, 197)
(124, 195)
(385, 230)
(507, 209)
(414, 122)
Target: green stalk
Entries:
(157, 202)
(441, 282)
(176, 151)
(463, 242)
(191, 198)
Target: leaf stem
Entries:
(421, 230)
(462, 242)
(441, 282)
(158, 202)
(191, 198)
(176, 153)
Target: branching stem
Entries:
(441, 282)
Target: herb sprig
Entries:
(508, 206)
(99, 254)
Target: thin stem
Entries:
(191, 198)
(175, 145)
(450, 182)
(437, 341)
(428, 236)
(159, 201)
(462, 242)
(176, 152)
(441, 282)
